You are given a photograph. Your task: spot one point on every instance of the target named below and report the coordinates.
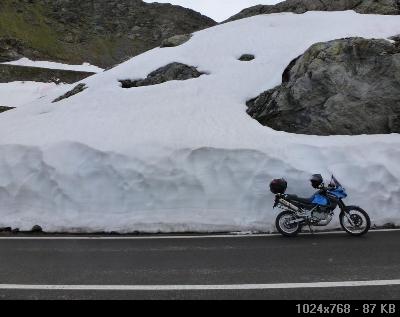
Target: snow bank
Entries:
(184, 155)
(85, 67)
(71, 187)
(19, 93)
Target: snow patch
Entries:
(19, 93)
(85, 67)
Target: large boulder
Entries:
(386, 7)
(347, 86)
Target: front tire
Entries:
(283, 225)
(361, 222)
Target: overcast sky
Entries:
(219, 10)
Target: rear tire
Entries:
(284, 228)
(359, 217)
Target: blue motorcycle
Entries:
(317, 210)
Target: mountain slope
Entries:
(184, 155)
(103, 33)
(386, 7)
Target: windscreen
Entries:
(335, 182)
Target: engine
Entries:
(320, 215)
(322, 218)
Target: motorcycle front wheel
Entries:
(355, 221)
(285, 227)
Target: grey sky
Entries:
(219, 10)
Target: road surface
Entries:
(322, 266)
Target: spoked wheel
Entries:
(284, 225)
(355, 221)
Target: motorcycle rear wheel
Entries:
(283, 225)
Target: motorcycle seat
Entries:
(295, 198)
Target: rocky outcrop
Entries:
(77, 89)
(348, 86)
(246, 57)
(386, 7)
(3, 108)
(13, 49)
(173, 71)
(102, 33)
(9, 73)
(396, 39)
(176, 40)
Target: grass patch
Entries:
(28, 24)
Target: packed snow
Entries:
(85, 67)
(184, 155)
(19, 93)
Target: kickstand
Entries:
(311, 230)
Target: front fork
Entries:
(348, 218)
(343, 209)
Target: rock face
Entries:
(387, 7)
(9, 73)
(77, 89)
(173, 71)
(102, 33)
(348, 86)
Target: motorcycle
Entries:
(317, 210)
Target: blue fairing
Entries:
(320, 200)
(338, 192)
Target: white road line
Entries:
(172, 237)
(199, 287)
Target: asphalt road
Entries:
(51, 264)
